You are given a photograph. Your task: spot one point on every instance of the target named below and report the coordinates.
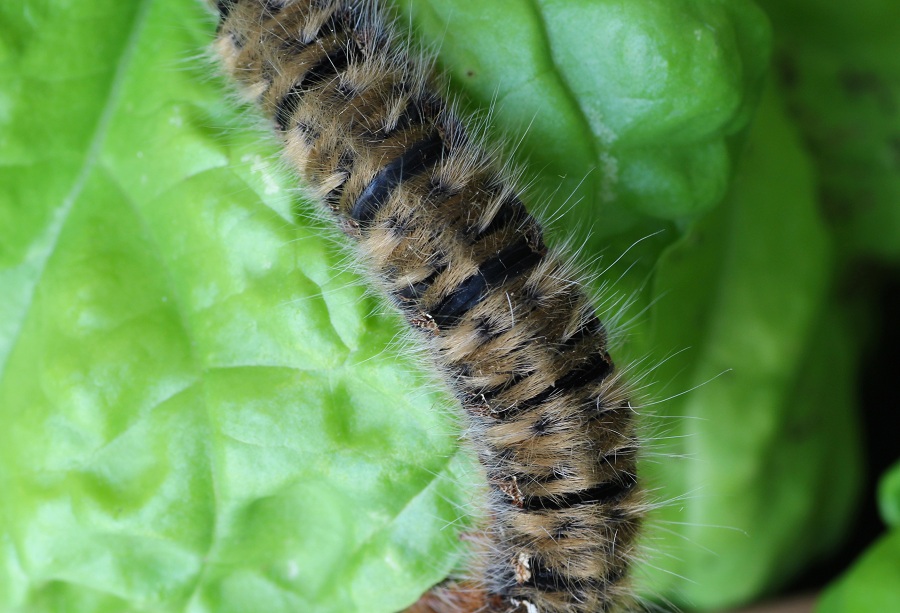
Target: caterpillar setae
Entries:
(440, 220)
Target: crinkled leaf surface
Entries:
(202, 408)
(199, 410)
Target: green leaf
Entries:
(634, 103)
(772, 457)
(871, 586)
(889, 496)
(840, 65)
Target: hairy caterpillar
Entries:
(441, 221)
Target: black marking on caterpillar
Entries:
(413, 161)
(441, 221)
(511, 262)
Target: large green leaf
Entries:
(203, 408)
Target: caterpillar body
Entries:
(441, 222)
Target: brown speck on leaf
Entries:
(858, 83)
(786, 69)
(838, 207)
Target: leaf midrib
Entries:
(51, 235)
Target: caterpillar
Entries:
(440, 220)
